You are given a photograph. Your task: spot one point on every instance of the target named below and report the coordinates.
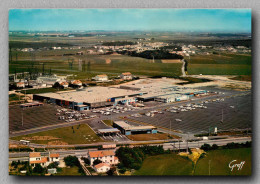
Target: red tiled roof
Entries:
(103, 75)
(126, 73)
(96, 154)
(108, 153)
(43, 160)
(64, 83)
(54, 155)
(101, 165)
(101, 153)
(76, 82)
(34, 154)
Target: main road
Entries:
(174, 145)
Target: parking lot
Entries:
(199, 117)
(195, 116)
(32, 117)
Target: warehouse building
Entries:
(127, 129)
(89, 98)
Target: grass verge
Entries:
(77, 134)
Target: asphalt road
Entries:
(198, 144)
(24, 156)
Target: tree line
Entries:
(118, 43)
(152, 54)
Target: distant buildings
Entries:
(48, 81)
(126, 76)
(27, 49)
(20, 84)
(77, 83)
(101, 77)
(64, 84)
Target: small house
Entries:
(102, 168)
(101, 77)
(126, 76)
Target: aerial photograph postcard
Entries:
(130, 92)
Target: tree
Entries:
(111, 171)
(71, 161)
(97, 161)
(56, 85)
(53, 165)
(29, 171)
(14, 164)
(38, 169)
(86, 160)
(205, 147)
(214, 147)
(122, 171)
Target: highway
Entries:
(198, 144)
(174, 145)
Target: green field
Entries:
(14, 97)
(167, 164)
(220, 160)
(116, 65)
(219, 69)
(81, 135)
(72, 171)
(223, 64)
(172, 164)
(222, 58)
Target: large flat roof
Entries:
(126, 126)
(91, 94)
(158, 87)
(108, 130)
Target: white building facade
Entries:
(106, 156)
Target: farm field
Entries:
(77, 135)
(220, 160)
(219, 69)
(166, 164)
(223, 58)
(98, 64)
(223, 64)
(72, 171)
(172, 164)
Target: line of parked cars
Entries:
(71, 115)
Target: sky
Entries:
(197, 20)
